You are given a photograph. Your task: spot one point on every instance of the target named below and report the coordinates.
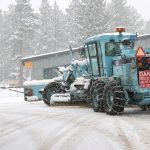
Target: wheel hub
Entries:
(95, 98)
(110, 99)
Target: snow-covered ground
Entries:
(35, 126)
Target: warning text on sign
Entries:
(144, 78)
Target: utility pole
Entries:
(20, 63)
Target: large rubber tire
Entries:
(97, 102)
(114, 98)
(145, 107)
(49, 90)
(88, 96)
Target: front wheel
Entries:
(97, 95)
(49, 90)
(114, 98)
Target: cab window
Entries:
(112, 48)
(93, 54)
(92, 50)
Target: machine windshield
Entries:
(113, 48)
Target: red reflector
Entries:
(140, 52)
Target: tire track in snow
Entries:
(130, 131)
(127, 143)
(24, 125)
(142, 132)
(78, 132)
(29, 120)
(14, 125)
(71, 126)
(76, 125)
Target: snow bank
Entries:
(31, 98)
(10, 96)
(4, 84)
(42, 82)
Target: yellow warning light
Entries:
(28, 64)
(140, 52)
(120, 29)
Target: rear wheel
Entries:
(114, 98)
(145, 107)
(97, 95)
(49, 90)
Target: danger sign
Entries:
(144, 79)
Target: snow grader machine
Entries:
(116, 75)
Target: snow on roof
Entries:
(43, 82)
(144, 36)
(48, 54)
(37, 82)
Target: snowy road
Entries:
(34, 126)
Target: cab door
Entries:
(94, 58)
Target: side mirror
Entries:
(82, 52)
(126, 42)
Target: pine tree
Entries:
(88, 18)
(1, 25)
(124, 15)
(6, 45)
(1, 47)
(51, 29)
(95, 17)
(22, 35)
(45, 43)
(24, 21)
(73, 25)
(146, 28)
(59, 34)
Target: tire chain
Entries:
(57, 88)
(99, 85)
(119, 99)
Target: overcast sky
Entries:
(141, 5)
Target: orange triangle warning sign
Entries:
(140, 52)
